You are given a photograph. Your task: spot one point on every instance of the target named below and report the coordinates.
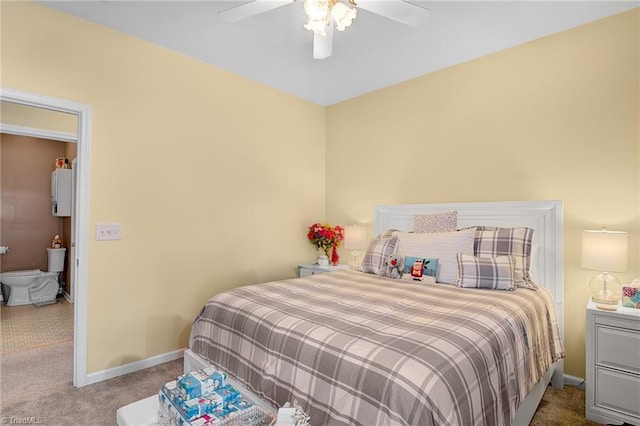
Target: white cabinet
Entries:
(61, 192)
(613, 365)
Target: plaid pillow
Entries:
(496, 273)
(492, 242)
(386, 234)
(376, 255)
(435, 222)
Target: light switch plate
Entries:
(108, 231)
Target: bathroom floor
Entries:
(25, 327)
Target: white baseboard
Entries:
(68, 297)
(110, 373)
(573, 380)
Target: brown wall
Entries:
(27, 225)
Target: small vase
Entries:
(335, 258)
(323, 260)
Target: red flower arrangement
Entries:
(325, 237)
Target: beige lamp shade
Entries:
(604, 250)
(355, 237)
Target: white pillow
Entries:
(443, 246)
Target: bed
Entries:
(358, 349)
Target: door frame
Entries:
(81, 226)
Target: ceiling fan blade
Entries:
(397, 10)
(323, 45)
(247, 10)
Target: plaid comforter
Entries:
(357, 349)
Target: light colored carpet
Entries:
(37, 383)
(40, 371)
(24, 327)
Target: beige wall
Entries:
(40, 118)
(553, 119)
(208, 173)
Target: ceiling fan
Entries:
(325, 15)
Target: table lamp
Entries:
(355, 238)
(605, 251)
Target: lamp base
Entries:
(606, 299)
(607, 307)
(354, 261)
(606, 291)
(604, 303)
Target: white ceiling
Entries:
(273, 48)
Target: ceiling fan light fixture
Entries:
(317, 26)
(317, 10)
(343, 15)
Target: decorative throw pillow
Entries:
(492, 241)
(386, 234)
(486, 272)
(435, 222)
(377, 252)
(438, 245)
(429, 267)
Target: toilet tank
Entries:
(56, 259)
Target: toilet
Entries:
(34, 286)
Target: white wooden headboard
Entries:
(544, 217)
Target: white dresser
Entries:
(613, 365)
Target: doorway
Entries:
(81, 213)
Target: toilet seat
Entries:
(21, 273)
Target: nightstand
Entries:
(306, 269)
(613, 365)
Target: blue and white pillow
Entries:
(429, 266)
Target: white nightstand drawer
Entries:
(617, 391)
(307, 269)
(304, 272)
(618, 348)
